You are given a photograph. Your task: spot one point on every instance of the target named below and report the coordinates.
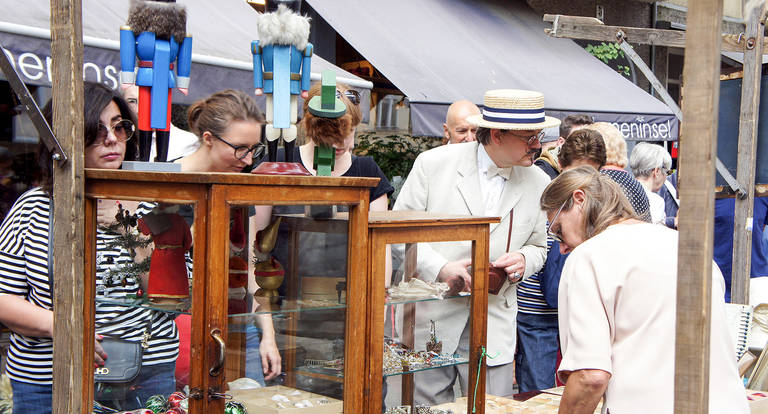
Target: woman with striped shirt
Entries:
(25, 288)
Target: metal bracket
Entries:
(555, 25)
(43, 129)
(667, 98)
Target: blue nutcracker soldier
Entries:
(156, 34)
(281, 67)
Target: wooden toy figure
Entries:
(156, 35)
(327, 108)
(168, 280)
(281, 67)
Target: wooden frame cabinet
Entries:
(410, 228)
(212, 196)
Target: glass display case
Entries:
(276, 326)
(422, 330)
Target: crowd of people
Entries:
(588, 248)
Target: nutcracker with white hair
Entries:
(281, 67)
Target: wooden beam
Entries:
(701, 72)
(747, 150)
(589, 28)
(70, 374)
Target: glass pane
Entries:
(143, 304)
(426, 330)
(287, 308)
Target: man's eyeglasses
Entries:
(242, 151)
(533, 138)
(557, 236)
(122, 130)
(351, 94)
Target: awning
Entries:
(440, 51)
(222, 32)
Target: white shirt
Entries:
(617, 314)
(491, 188)
(658, 212)
(180, 144)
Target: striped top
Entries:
(24, 272)
(529, 296)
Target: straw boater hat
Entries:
(513, 109)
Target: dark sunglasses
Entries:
(351, 94)
(242, 151)
(122, 130)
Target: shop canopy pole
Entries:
(701, 72)
(70, 345)
(747, 150)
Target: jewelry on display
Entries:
(415, 289)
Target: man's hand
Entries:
(304, 94)
(259, 92)
(456, 275)
(513, 263)
(270, 357)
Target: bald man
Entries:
(456, 129)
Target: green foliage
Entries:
(395, 154)
(609, 52)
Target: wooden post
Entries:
(697, 168)
(69, 307)
(745, 173)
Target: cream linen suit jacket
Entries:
(446, 180)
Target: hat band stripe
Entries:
(514, 118)
(513, 111)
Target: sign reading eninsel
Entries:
(31, 57)
(635, 127)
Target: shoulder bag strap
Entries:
(50, 248)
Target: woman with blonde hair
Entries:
(617, 305)
(615, 164)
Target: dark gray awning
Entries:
(222, 32)
(440, 51)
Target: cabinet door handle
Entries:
(216, 369)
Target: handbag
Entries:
(124, 362)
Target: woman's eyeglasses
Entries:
(558, 235)
(242, 151)
(122, 130)
(351, 94)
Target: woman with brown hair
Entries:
(339, 133)
(617, 304)
(228, 124)
(26, 294)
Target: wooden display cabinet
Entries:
(212, 195)
(410, 228)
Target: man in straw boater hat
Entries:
(489, 177)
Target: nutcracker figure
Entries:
(168, 281)
(281, 67)
(156, 35)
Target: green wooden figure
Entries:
(327, 105)
(324, 159)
